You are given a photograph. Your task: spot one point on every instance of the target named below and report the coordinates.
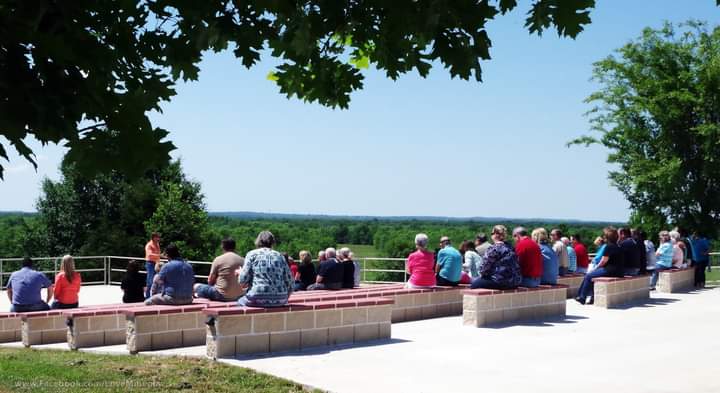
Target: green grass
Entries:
(28, 370)
(362, 250)
(369, 251)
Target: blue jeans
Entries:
(529, 282)
(42, 306)
(150, 268)
(210, 292)
(631, 272)
(56, 305)
(656, 274)
(587, 286)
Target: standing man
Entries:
(529, 258)
(152, 256)
(560, 250)
(24, 287)
(637, 235)
(631, 254)
(481, 244)
(581, 254)
(449, 264)
(701, 257)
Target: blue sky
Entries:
(416, 146)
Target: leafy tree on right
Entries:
(658, 113)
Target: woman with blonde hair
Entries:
(551, 260)
(500, 268)
(67, 285)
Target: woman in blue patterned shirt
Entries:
(500, 268)
(267, 275)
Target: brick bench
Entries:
(43, 327)
(97, 326)
(410, 304)
(676, 280)
(616, 291)
(573, 281)
(233, 331)
(483, 307)
(162, 327)
(10, 330)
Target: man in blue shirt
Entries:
(701, 257)
(177, 278)
(24, 287)
(449, 264)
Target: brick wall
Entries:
(680, 280)
(612, 291)
(242, 331)
(482, 307)
(10, 327)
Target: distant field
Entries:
(367, 251)
(362, 250)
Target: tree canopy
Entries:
(87, 73)
(658, 112)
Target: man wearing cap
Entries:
(449, 264)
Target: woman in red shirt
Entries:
(421, 265)
(67, 285)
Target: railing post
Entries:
(105, 270)
(2, 282)
(364, 270)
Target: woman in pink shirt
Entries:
(421, 265)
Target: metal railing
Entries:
(373, 270)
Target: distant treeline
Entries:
(22, 234)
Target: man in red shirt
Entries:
(530, 258)
(582, 255)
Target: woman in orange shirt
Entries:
(67, 285)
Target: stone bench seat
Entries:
(107, 324)
(10, 327)
(617, 291)
(676, 280)
(233, 331)
(573, 281)
(163, 327)
(410, 304)
(483, 307)
(49, 327)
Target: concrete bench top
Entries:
(9, 315)
(613, 279)
(676, 270)
(484, 292)
(320, 305)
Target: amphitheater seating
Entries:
(410, 304)
(676, 280)
(617, 291)
(483, 307)
(233, 331)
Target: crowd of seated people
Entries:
(266, 277)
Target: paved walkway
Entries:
(667, 345)
(89, 295)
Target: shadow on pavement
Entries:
(324, 350)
